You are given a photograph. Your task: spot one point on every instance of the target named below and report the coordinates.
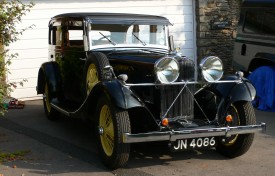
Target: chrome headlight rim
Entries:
(211, 68)
(163, 67)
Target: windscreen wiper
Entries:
(109, 40)
(143, 43)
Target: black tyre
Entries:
(111, 124)
(234, 146)
(94, 71)
(50, 112)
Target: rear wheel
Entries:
(111, 124)
(242, 114)
(51, 113)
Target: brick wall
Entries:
(216, 29)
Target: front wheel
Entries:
(242, 114)
(111, 124)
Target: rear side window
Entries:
(269, 23)
(260, 22)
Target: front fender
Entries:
(230, 93)
(233, 92)
(213, 100)
(120, 95)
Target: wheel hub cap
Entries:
(100, 130)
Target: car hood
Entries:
(136, 57)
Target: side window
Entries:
(269, 23)
(253, 22)
(260, 22)
(75, 37)
(58, 36)
(74, 33)
(52, 35)
(55, 34)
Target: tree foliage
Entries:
(11, 13)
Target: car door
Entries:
(71, 58)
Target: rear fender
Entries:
(49, 72)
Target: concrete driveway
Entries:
(67, 147)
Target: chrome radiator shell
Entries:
(183, 106)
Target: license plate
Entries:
(196, 143)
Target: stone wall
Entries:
(216, 29)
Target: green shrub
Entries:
(11, 12)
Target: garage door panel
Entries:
(23, 73)
(31, 53)
(26, 63)
(33, 43)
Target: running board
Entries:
(59, 109)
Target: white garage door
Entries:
(32, 46)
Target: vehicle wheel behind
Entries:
(234, 146)
(93, 71)
(263, 79)
(112, 123)
(51, 113)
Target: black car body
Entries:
(120, 71)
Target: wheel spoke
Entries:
(110, 142)
(108, 118)
(110, 131)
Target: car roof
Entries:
(115, 17)
(258, 3)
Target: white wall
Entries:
(33, 44)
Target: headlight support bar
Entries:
(182, 83)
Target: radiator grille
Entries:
(184, 105)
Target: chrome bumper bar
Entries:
(192, 133)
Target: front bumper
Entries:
(192, 133)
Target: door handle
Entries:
(243, 52)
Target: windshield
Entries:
(128, 35)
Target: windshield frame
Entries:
(139, 44)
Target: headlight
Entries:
(212, 69)
(167, 70)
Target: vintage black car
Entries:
(122, 73)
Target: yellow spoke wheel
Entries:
(112, 124)
(107, 130)
(236, 145)
(50, 112)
